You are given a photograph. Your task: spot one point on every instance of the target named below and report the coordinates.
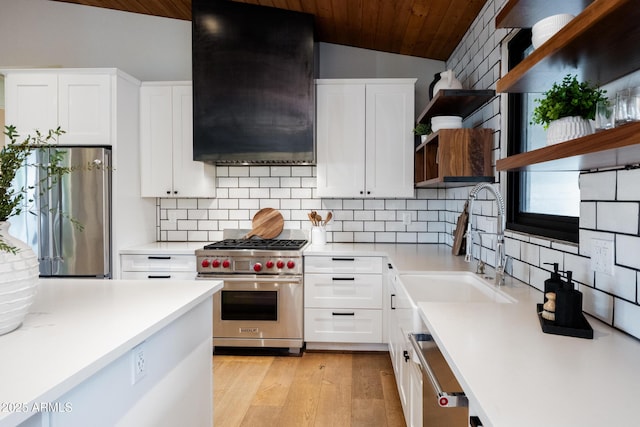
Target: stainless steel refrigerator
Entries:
(67, 220)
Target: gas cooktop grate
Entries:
(275, 244)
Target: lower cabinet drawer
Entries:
(144, 275)
(343, 290)
(343, 325)
(157, 262)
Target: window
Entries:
(541, 203)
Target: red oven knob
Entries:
(269, 264)
(291, 264)
(215, 263)
(257, 266)
(226, 263)
(205, 263)
(280, 264)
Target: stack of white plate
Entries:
(544, 29)
(445, 122)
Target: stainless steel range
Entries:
(261, 301)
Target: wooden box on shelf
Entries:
(454, 157)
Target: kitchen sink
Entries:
(452, 287)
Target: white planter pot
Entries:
(19, 274)
(568, 128)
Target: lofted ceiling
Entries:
(423, 28)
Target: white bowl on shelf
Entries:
(445, 122)
(544, 29)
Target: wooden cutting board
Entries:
(267, 223)
(461, 227)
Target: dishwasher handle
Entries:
(445, 399)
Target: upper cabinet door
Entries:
(389, 151)
(31, 102)
(190, 178)
(156, 141)
(340, 137)
(84, 108)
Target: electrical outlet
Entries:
(602, 256)
(138, 363)
(406, 218)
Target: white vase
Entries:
(19, 273)
(447, 81)
(568, 128)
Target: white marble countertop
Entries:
(174, 248)
(76, 327)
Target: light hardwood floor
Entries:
(319, 389)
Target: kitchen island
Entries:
(111, 352)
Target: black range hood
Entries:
(253, 84)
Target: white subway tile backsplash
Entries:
(628, 188)
(385, 215)
(252, 182)
(360, 215)
(530, 254)
(168, 203)
(609, 215)
(627, 249)
(227, 182)
(269, 182)
(197, 236)
(588, 215)
(280, 170)
(259, 171)
(626, 317)
(353, 204)
(374, 226)
(621, 284)
(598, 186)
(238, 171)
(597, 304)
(291, 182)
(581, 268)
(258, 193)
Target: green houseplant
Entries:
(422, 130)
(566, 108)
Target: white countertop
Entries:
(76, 327)
(174, 248)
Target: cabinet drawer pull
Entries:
(342, 259)
(393, 307)
(158, 257)
(343, 278)
(158, 277)
(343, 314)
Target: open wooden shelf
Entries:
(455, 102)
(454, 157)
(615, 147)
(599, 45)
(525, 13)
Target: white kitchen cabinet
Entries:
(166, 143)
(365, 144)
(343, 300)
(78, 102)
(94, 106)
(401, 321)
(157, 266)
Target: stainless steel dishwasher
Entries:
(443, 401)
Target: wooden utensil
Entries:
(267, 223)
(329, 216)
(461, 226)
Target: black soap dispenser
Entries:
(568, 304)
(553, 283)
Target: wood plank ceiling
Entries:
(422, 28)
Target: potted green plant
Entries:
(566, 108)
(422, 130)
(20, 268)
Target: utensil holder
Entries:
(318, 235)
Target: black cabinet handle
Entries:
(158, 257)
(343, 278)
(405, 353)
(342, 259)
(343, 314)
(475, 421)
(392, 306)
(158, 277)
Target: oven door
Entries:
(258, 311)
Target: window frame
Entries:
(557, 227)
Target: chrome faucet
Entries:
(501, 219)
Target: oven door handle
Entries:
(261, 279)
(445, 399)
